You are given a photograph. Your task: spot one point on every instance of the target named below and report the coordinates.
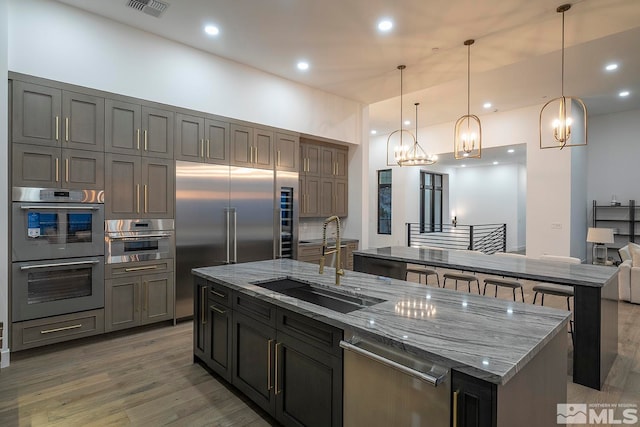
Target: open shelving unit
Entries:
(624, 219)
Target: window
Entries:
(430, 202)
(384, 201)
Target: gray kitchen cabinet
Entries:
(201, 139)
(134, 296)
(57, 118)
(287, 152)
(135, 129)
(219, 330)
(252, 148)
(201, 323)
(52, 167)
(323, 184)
(138, 187)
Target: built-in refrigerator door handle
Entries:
(280, 233)
(228, 228)
(235, 236)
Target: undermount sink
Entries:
(327, 298)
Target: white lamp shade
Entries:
(600, 235)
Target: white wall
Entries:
(51, 40)
(4, 183)
(489, 195)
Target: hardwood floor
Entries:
(146, 377)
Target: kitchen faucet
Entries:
(339, 270)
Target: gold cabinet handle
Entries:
(145, 140)
(217, 310)
(57, 169)
(278, 391)
(256, 161)
(306, 165)
(66, 169)
(218, 294)
(251, 154)
(138, 138)
(278, 158)
(65, 328)
(138, 198)
(145, 287)
(149, 267)
(203, 299)
(202, 148)
(57, 128)
(269, 385)
(66, 129)
(454, 417)
(208, 148)
(146, 198)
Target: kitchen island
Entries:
(506, 361)
(595, 290)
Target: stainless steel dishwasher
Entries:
(387, 387)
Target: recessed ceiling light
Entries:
(303, 65)
(385, 25)
(495, 163)
(611, 67)
(373, 131)
(487, 105)
(407, 122)
(510, 150)
(212, 30)
(624, 93)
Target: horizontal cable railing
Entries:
(487, 238)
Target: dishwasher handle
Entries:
(434, 381)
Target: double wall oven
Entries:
(58, 252)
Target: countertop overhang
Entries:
(488, 338)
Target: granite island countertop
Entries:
(482, 336)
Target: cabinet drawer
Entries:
(35, 333)
(320, 335)
(256, 309)
(219, 294)
(309, 251)
(113, 271)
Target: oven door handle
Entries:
(58, 207)
(143, 237)
(58, 264)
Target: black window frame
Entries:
(387, 203)
(428, 219)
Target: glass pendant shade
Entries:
(467, 134)
(563, 120)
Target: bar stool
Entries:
(505, 283)
(461, 277)
(565, 291)
(423, 271)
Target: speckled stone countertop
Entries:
(523, 268)
(488, 338)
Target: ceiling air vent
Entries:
(150, 7)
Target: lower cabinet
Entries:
(286, 363)
(138, 298)
(473, 400)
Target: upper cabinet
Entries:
(323, 179)
(200, 139)
(251, 147)
(135, 129)
(57, 118)
(287, 152)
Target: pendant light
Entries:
(407, 151)
(467, 138)
(563, 120)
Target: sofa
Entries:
(629, 273)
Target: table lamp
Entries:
(599, 237)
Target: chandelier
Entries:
(467, 138)
(566, 114)
(409, 152)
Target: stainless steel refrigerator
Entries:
(223, 215)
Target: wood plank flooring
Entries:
(146, 377)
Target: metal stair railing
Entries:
(488, 238)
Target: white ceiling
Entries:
(515, 61)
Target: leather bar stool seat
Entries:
(420, 271)
(462, 277)
(505, 283)
(565, 291)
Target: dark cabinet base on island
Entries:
(287, 364)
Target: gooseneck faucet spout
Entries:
(339, 270)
